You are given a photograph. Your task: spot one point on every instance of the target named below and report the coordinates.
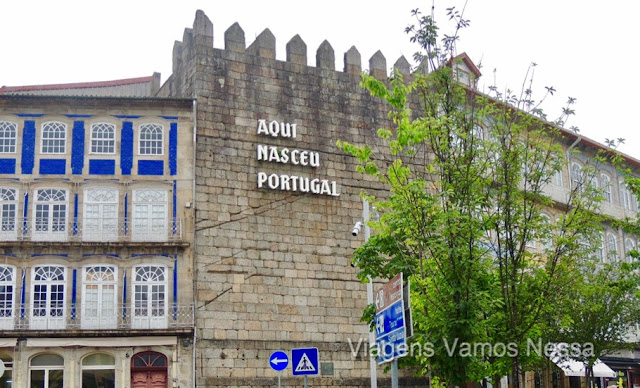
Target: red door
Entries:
(149, 370)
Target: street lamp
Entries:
(367, 233)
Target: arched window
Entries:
(626, 198)
(576, 176)
(99, 297)
(7, 296)
(612, 247)
(605, 184)
(600, 247)
(8, 136)
(54, 137)
(100, 214)
(556, 178)
(8, 214)
(46, 371)
(99, 371)
(6, 380)
(629, 245)
(149, 369)
(50, 215)
(149, 297)
(547, 241)
(103, 138)
(48, 297)
(150, 209)
(151, 137)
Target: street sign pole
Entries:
(305, 381)
(279, 374)
(394, 373)
(372, 337)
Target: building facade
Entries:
(152, 242)
(96, 262)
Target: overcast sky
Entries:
(583, 48)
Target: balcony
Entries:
(38, 317)
(92, 231)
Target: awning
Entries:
(572, 367)
(8, 342)
(110, 342)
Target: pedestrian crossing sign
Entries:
(304, 361)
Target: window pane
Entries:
(99, 359)
(56, 379)
(6, 380)
(98, 378)
(8, 134)
(47, 360)
(37, 379)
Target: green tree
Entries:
(466, 174)
(602, 309)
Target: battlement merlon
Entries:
(264, 46)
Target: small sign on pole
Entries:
(279, 361)
(391, 332)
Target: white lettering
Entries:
(273, 181)
(304, 185)
(294, 157)
(284, 182)
(285, 130)
(293, 130)
(262, 177)
(334, 189)
(262, 152)
(274, 128)
(262, 127)
(284, 155)
(315, 186)
(325, 188)
(304, 158)
(314, 159)
(273, 155)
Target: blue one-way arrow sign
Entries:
(279, 360)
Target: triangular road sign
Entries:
(305, 364)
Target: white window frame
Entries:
(626, 197)
(8, 214)
(8, 137)
(607, 188)
(556, 178)
(99, 141)
(103, 203)
(629, 245)
(55, 231)
(150, 146)
(53, 127)
(577, 180)
(547, 241)
(49, 313)
(148, 310)
(612, 247)
(8, 300)
(600, 254)
(97, 367)
(98, 311)
(46, 368)
(150, 214)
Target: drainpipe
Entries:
(193, 251)
(575, 143)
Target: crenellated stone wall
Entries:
(273, 267)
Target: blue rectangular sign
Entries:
(390, 333)
(304, 361)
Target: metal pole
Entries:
(394, 373)
(372, 340)
(305, 381)
(279, 374)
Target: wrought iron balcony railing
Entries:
(91, 316)
(92, 230)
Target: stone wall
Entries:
(273, 267)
